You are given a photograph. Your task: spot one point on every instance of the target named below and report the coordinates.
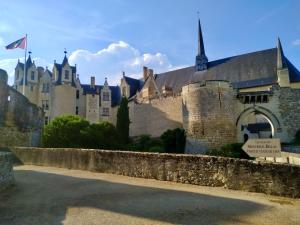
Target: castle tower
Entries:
(31, 79)
(282, 70)
(105, 102)
(63, 93)
(201, 59)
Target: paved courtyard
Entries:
(45, 195)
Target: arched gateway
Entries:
(267, 122)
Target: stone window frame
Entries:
(67, 75)
(105, 96)
(32, 75)
(105, 111)
(45, 104)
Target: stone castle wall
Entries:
(269, 178)
(289, 107)
(155, 117)
(6, 170)
(20, 121)
(208, 115)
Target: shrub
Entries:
(174, 140)
(123, 121)
(64, 131)
(146, 143)
(75, 132)
(233, 150)
(156, 148)
(102, 136)
(297, 138)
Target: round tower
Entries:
(208, 115)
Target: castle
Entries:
(254, 95)
(59, 92)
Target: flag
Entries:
(21, 43)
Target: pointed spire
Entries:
(65, 58)
(201, 50)
(201, 59)
(105, 83)
(280, 56)
(29, 61)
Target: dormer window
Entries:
(106, 96)
(32, 75)
(67, 75)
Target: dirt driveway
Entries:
(45, 195)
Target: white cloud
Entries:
(1, 42)
(112, 60)
(296, 42)
(108, 62)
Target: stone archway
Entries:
(275, 126)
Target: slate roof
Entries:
(29, 63)
(115, 92)
(134, 84)
(175, 79)
(59, 68)
(247, 70)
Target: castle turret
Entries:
(63, 95)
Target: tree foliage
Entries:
(174, 140)
(123, 122)
(64, 131)
(74, 132)
(233, 150)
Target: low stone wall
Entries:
(269, 178)
(6, 170)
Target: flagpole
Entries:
(24, 67)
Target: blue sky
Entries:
(106, 37)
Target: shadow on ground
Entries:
(45, 198)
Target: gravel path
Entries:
(46, 195)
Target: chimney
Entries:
(145, 72)
(150, 72)
(93, 82)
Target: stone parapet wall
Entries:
(269, 178)
(6, 170)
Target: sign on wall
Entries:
(263, 147)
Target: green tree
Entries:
(64, 131)
(174, 140)
(100, 136)
(123, 122)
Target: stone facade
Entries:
(20, 121)
(254, 95)
(269, 178)
(6, 170)
(60, 92)
(155, 116)
(211, 124)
